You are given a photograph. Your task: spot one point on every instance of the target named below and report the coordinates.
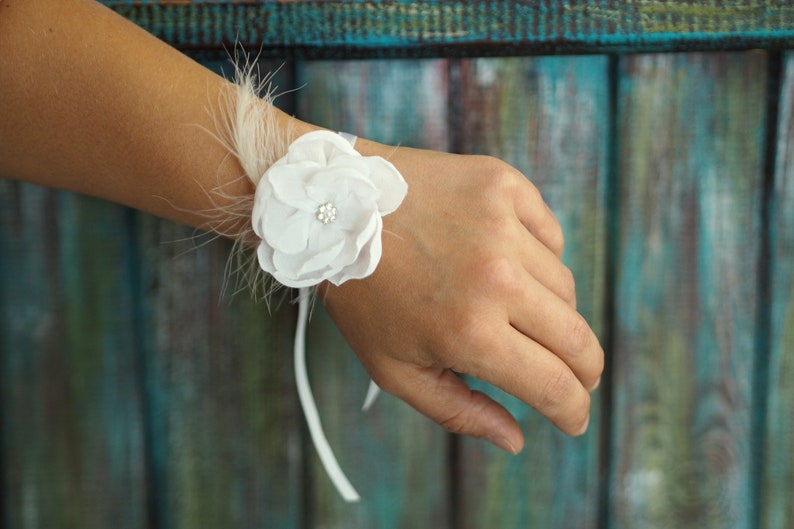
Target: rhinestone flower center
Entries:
(326, 213)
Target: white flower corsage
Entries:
(318, 211)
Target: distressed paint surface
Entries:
(224, 424)
(691, 139)
(341, 28)
(549, 118)
(394, 457)
(72, 444)
(778, 469)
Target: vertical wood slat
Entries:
(691, 138)
(549, 118)
(777, 509)
(225, 430)
(392, 455)
(72, 446)
(226, 442)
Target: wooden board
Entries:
(224, 432)
(549, 117)
(396, 458)
(73, 452)
(350, 28)
(778, 468)
(691, 131)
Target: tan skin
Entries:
(93, 104)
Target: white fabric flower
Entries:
(318, 211)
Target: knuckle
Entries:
(554, 237)
(567, 285)
(465, 420)
(472, 337)
(468, 332)
(499, 177)
(457, 423)
(498, 273)
(502, 182)
(560, 387)
(579, 333)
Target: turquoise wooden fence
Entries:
(134, 395)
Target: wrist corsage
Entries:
(318, 211)
(316, 215)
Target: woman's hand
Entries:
(471, 282)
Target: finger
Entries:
(537, 217)
(446, 399)
(555, 324)
(541, 263)
(530, 372)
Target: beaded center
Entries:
(326, 213)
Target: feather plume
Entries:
(245, 124)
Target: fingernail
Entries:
(586, 424)
(503, 443)
(597, 383)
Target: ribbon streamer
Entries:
(327, 457)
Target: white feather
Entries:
(250, 128)
(245, 124)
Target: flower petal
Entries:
(264, 254)
(300, 282)
(320, 146)
(364, 265)
(274, 218)
(292, 235)
(324, 259)
(290, 182)
(352, 214)
(299, 266)
(351, 252)
(261, 197)
(388, 180)
(324, 247)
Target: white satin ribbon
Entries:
(327, 458)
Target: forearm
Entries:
(94, 104)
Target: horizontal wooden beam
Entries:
(348, 28)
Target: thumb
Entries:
(446, 399)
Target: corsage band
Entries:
(317, 213)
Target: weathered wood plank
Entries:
(347, 28)
(691, 141)
(224, 430)
(73, 443)
(777, 507)
(393, 456)
(549, 117)
(224, 423)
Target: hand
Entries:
(471, 282)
